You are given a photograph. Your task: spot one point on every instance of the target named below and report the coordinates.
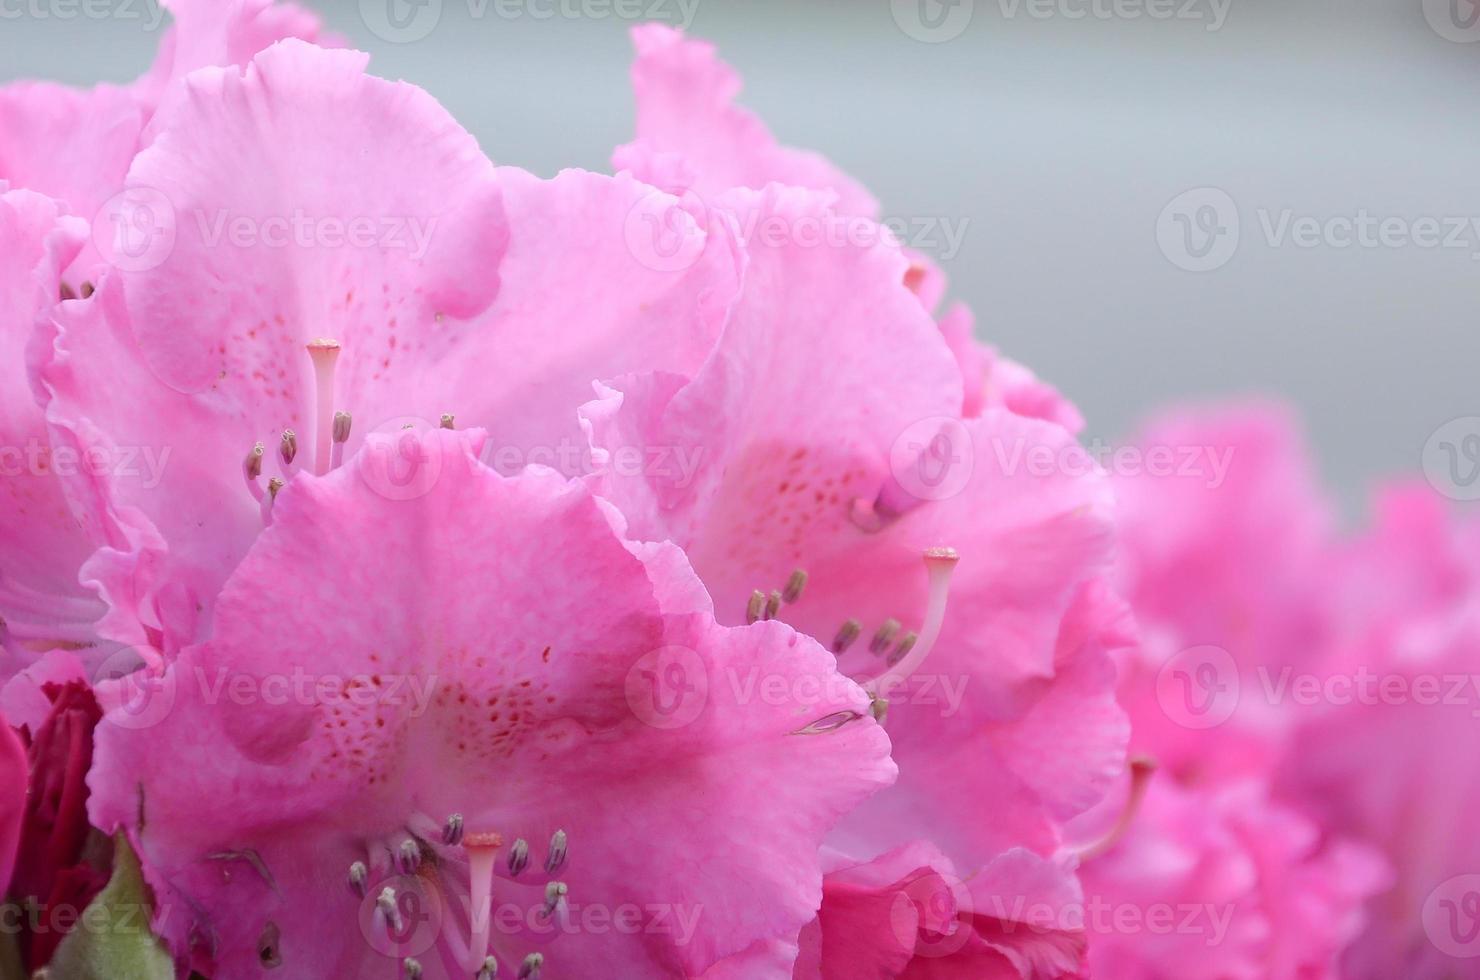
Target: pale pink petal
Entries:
(685, 109)
(532, 622)
(44, 535)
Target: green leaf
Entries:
(112, 938)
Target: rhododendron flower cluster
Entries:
(413, 566)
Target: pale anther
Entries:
(530, 968)
(518, 856)
(385, 903)
(413, 968)
(555, 893)
(773, 606)
(884, 636)
(408, 857)
(489, 969)
(755, 607)
(288, 446)
(847, 633)
(794, 586)
(905, 645)
(358, 875)
(252, 465)
(448, 422)
(452, 832)
(555, 860)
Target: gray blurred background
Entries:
(1055, 134)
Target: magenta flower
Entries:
(480, 713)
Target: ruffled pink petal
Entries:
(44, 535)
(1225, 541)
(70, 144)
(185, 366)
(221, 32)
(1218, 883)
(685, 110)
(536, 636)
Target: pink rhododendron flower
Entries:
(532, 278)
(1387, 757)
(1224, 538)
(1222, 883)
(75, 146)
(1226, 545)
(842, 482)
(491, 725)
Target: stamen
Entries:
(448, 422)
(66, 293)
(884, 636)
(452, 833)
(341, 436)
(358, 875)
(489, 970)
(273, 486)
(252, 465)
(324, 353)
(555, 860)
(385, 906)
(773, 607)
(87, 290)
(879, 708)
(555, 893)
(413, 968)
(288, 447)
(939, 564)
(408, 857)
(905, 645)
(530, 968)
(482, 848)
(518, 857)
(794, 586)
(847, 633)
(1141, 769)
(755, 607)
